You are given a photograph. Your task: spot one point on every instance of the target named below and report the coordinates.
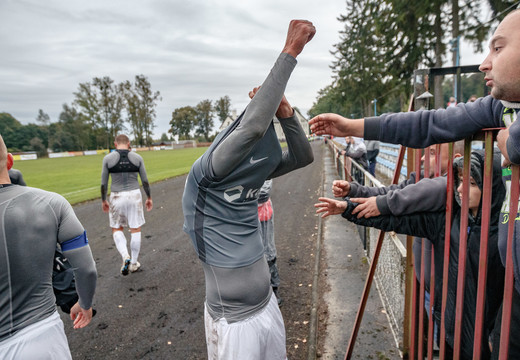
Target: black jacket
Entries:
(431, 225)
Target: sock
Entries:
(135, 246)
(120, 240)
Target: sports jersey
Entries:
(123, 165)
(220, 200)
(33, 221)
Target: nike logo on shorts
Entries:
(253, 161)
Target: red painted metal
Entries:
(463, 242)
(372, 270)
(509, 282)
(482, 271)
(447, 241)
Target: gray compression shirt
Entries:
(33, 221)
(220, 200)
(124, 181)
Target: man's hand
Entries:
(337, 125)
(502, 137)
(148, 204)
(79, 316)
(330, 207)
(285, 109)
(299, 34)
(105, 205)
(340, 188)
(367, 207)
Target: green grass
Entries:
(79, 178)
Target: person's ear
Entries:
(10, 161)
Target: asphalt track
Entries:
(157, 312)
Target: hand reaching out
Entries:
(367, 207)
(340, 188)
(330, 207)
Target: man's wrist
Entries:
(284, 111)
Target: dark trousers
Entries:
(514, 333)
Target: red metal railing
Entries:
(416, 329)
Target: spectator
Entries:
(452, 102)
(372, 152)
(421, 129)
(431, 225)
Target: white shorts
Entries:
(126, 209)
(260, 337)
(44, 340)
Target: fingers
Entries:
(299, 34)
(83, 318)
(340, 188)
(253, 92)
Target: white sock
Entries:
(135, 246)
(120, 240)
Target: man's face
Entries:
(474, 195)
(502, 65)
(443, 158)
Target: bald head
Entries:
(502, 64)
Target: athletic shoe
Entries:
(134, 267)
(124, 268)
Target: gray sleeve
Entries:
(80, 258)
(104, 173)
(299, 151)
(425, 196)
(256, 119)
(418, 129)
(359, 191)
(85, 274)
(144, 178)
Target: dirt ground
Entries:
(157, 312)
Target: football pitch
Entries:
(79, 178)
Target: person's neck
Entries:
(4, 179)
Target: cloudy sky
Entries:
(189, 50)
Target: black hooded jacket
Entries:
(431, 225)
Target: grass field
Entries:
(79, 178)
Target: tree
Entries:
(73, 125)
(87, 100)
(110, 105)
(43, 118)
(204, 120)
(9, 126)
(183, 121)
(164, 137)
(147, 101)
(222, 108)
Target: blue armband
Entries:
(77, 242)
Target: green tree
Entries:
(147, 101)
(183, 121)
(222, 108)
(164, 137)
(44, 120)
(9, 126)
(204, 122)
(87, 100)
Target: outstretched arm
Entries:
(422, 224)
(263, 106)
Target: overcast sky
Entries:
(189, 50)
